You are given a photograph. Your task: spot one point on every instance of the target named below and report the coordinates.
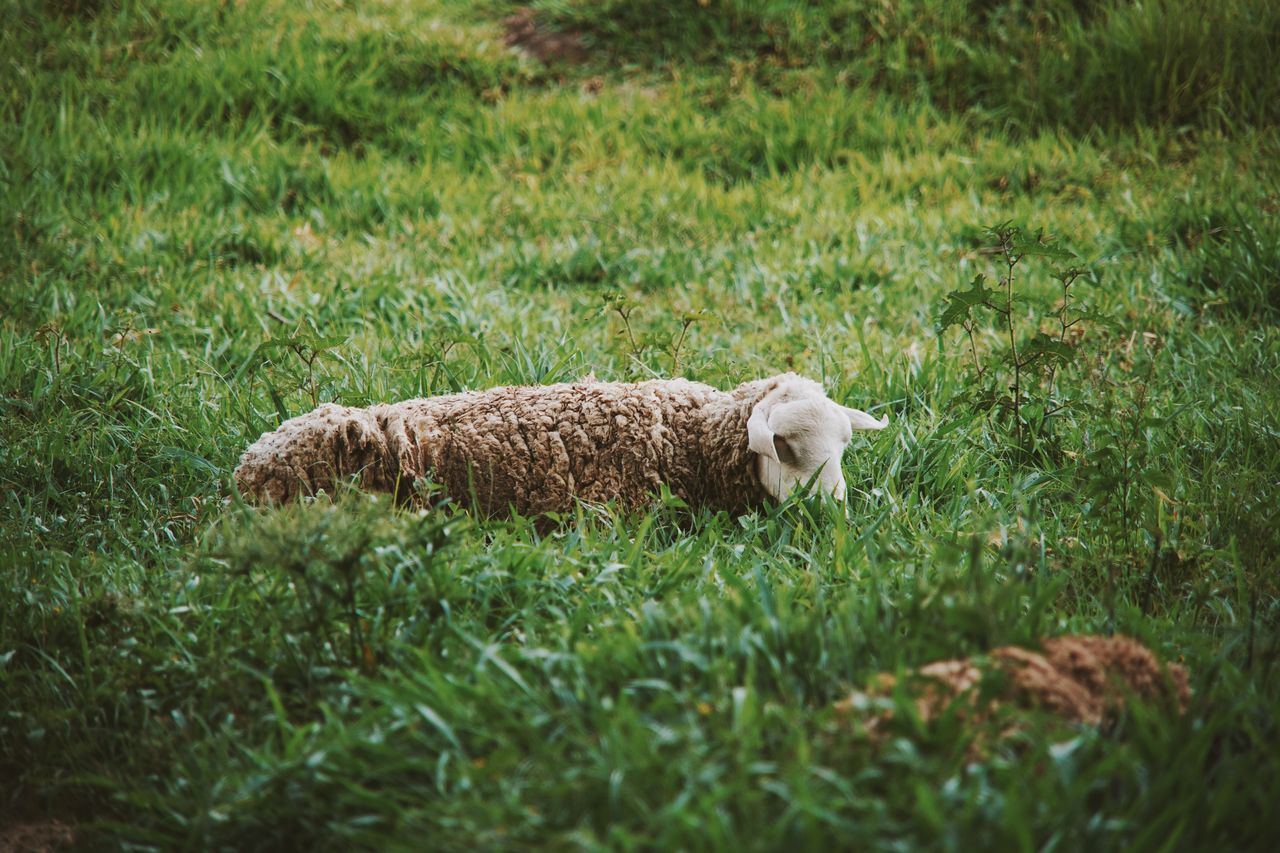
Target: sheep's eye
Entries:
(786, 455)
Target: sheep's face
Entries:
(799, 439)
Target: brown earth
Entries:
(36, 837)
(525, 31)
(1081, 679)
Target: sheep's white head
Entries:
(797, 432)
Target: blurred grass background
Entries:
(421, 207)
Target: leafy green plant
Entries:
(1127, 487)
(308, 347)
(1019, 380)
(337, 579)
(1115, 472)
(639, 345)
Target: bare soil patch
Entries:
(526, 31)
(37, 836)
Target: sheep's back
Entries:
(535, 448)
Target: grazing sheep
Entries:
(534, 449)
(1080, 679)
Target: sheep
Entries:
(534, 450)
(1079, 679)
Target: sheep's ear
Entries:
(861, 420)
(759, 433)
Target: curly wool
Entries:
(529, 449)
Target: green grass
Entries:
(182, 183)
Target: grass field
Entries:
(216, 215)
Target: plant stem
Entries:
(675, 354)
(1012, 261)
(625, 314)
(973, 348)
(1067, 281)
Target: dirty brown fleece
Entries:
(531, 449)
(1080, 679)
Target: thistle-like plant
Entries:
(1019, 379)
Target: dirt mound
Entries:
(1082, 679)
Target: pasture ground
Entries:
(216, 215)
